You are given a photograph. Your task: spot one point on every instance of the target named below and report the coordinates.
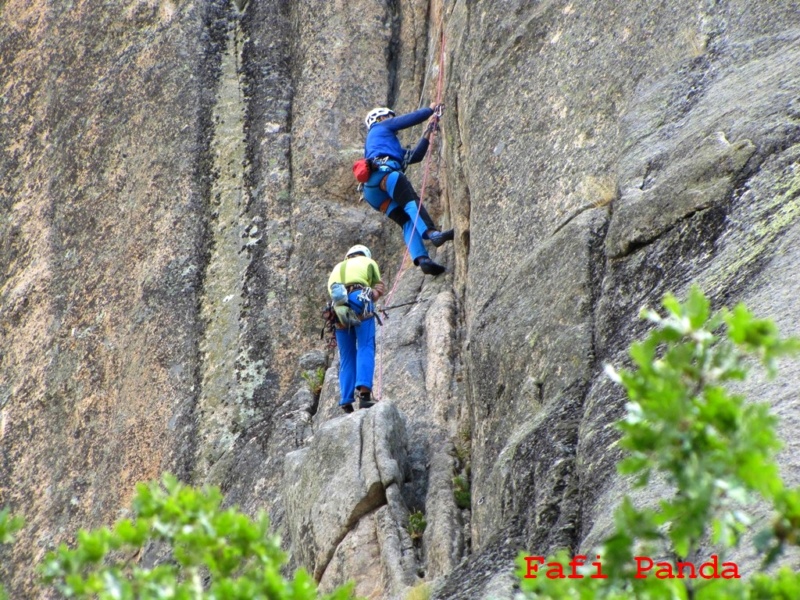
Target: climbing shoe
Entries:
(429, 267)
(438, 238)
(365, 400)
(348, 408)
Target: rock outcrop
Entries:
(345, 511)
(175, 186)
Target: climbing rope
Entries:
(385, 308)
(401, 270)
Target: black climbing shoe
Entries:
(348, 408)
(365, 401)
(429, 267)
(438, 238)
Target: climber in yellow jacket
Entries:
(355, 284)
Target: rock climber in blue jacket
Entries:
(389, 191)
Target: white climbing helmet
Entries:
(377, 113)
(359, 249)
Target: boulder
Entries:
(344, 510)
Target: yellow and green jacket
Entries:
(355, 270)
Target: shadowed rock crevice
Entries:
(573, 526)
(393, 51)
(220, 401)
(269, 415)
(525, 438)
(374, 498)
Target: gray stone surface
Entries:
(531, 359)
(175, 187)
(335, 491)
(443, 542)
(104, 129)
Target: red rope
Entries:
(402, 268)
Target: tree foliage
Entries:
(9, 525)
(715, 450)
(208, 552)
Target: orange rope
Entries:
(401, 270)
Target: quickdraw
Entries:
(329, 325)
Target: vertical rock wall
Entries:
(603, 154)
(104, 164)
(175, 186)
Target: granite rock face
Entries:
(104, 177)
(175, 187)
(344, 508)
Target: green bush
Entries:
(461, 492)
(416, 525)
(8, 527)
(210, 553)
(715, 450)
(314, 380)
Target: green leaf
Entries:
(698, 308)
(673, 306)
(9, 525)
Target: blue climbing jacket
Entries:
(382, 138)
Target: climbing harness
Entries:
(365, 297)
(387, 163)
(338, 314)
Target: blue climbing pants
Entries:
(414, 228)
(356, 351)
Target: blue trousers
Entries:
(414, 229)
(356, 352)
